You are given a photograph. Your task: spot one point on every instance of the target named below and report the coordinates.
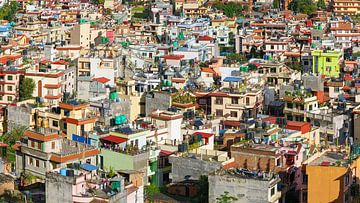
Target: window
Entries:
(247, 100)
(278, 162)
(39, 145)
(37, 162)
(328, 59)
(31, 161)
(289, 105)
(306, 63)
(219, 112)
(10, 77)
(234, 101)
(328, 68)
(9, 98)
(219, 100)
(310, 107)
(55, 123)
(336, 89)
(272, 47)
(233, 114)
(347, 179)
(53, 145)
(272, 191)
(9, 88)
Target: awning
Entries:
(114, 139)
(88, 167)
(204, 134)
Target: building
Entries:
(346, 7)
(43, 150)
(197, 163)
(331, 177)
(326, 62)
(245, 186)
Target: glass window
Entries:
(234, 114)
(10, 77)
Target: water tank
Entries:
(63, 171)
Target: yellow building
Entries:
(79, 120)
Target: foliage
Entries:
(14, 135)
(237, 57)
(230, 9)
(194, 146)
(27, 87)
(98, 2)
(254, 53)
(303, 6)
(13, 196)
(183, 98)
(321, 4)
(204, 189)
(8, 11)
(276, 4)
(252, 67)
(111, 172)
(295, 66)
(150, 191)
(356, 54)
(226, 198)
(231, 39)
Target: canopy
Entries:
(88, 167)
(114, 139)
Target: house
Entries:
(326, 62)
(245, 186)
(44, 149)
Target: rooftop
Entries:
(331, 159)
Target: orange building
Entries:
(331, 177)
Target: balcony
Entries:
(235, 106)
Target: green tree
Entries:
(150, 192)
(230, 9)
(8, 11)
(226, 198)
(276, 4)
(237, 57)
(27, 87)
(15, 134)
(303, 6)
(321, 4)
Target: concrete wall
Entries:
(244, 189)
(157, 100)
(326, 184)
(120, 161)
(192, 167)
(18, 116)
(314, 82)
(58, 188)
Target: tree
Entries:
(8, 11)
(226, 198)
(276, 4)
(15, 134)
(321, 4)
(303, 6)
(237, 57)
(27, 87)
(150, 191)
(230, 9)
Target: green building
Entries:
(326, 62)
